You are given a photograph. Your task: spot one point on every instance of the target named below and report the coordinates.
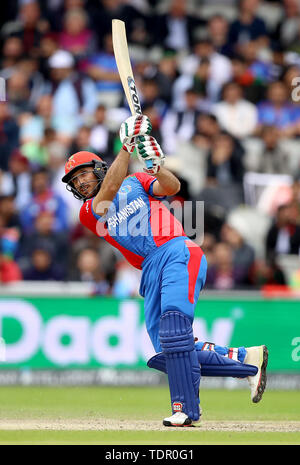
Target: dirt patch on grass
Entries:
(115, 425)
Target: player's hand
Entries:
(133, 127)
(148, 149)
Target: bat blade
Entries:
(122, 58)
(120, 47)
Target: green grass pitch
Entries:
(94, 407)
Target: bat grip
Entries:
(149, 163)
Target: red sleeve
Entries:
(145, 179)
(85, 213)
(89, 219)
(147, 182)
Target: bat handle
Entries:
(149, 163)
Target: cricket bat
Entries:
(122, 58)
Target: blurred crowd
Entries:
(219, 80)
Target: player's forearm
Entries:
(112, 182)
(168, 183)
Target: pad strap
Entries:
(212, 364)
(208, 346)
(233, 353)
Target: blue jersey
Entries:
(137, 222)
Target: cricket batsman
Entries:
(128, 213)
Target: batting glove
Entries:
(148, 149)
(133, 127)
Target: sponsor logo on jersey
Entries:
(125, 189)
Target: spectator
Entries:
(126, 281)
(207, 128)
(102, 15)
(243, 253)
(218, 29)
(288, 27)
(42, 266)
(294, 47)
(10, 228)
(36, 82)
(84, 239)
(166, 74)
(278, 111)
(101, 285)
(47, 238)
(18, 94)
(29, 27)
(266, 273)
(9, 270)
(9, 135)
(263, 71)
(176, 29)
(82, 141)
(223, 274)
(103, 69)
(225, 166)
(223, 190)
(56, 11)
(74, 96)
(33, 126)
(252, 79)
(220, 70)
(8, 212)
(16, 181)
(76, 37)
(57, 153)
(235, 114)
(9, 239)
(48, 46)
(208, 246)
(101, 137)
(201, 79)
(189, 162)
(248, 26)
(44, 199)
(12, 52)
(150, 96)
(274, 156)
(88, 269)
(296, 197)
(180, 124)
(37, 151)
(283, 236)
(36, 128)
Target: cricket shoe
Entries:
(180, 419)
(257, 356)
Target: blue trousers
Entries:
(172, 279)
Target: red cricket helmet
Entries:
(80, 160)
